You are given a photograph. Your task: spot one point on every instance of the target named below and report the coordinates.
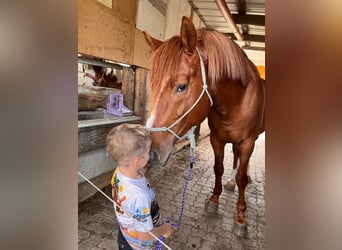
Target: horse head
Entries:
(177, 101)
(89, 75)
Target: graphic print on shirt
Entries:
(115, 190)
(141, 214)
(140, 202)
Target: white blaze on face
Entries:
(150, 120)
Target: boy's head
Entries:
(126, 141)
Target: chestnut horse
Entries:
(226, 88)
(100, 76)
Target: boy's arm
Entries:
(164, 230)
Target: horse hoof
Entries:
(229, 186)
(211, 207)
(240, 229)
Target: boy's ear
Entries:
(134, 161)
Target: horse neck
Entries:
(226, 92)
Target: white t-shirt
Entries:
(137, 198)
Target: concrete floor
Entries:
(199, 230)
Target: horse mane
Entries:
(164, 63)
(165, 60)
(225, 59)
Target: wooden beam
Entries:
(128, 88)
(248, 37)
(222, 6)
(249, 19)
(241, 6)
(253, 48)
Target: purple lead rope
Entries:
(159, 246)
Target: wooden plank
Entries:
(128, 87)
(249, 19)
(248, 37)
(105, 32)
(94, 136)
(142, 52)
(90, 101)
(140, 93)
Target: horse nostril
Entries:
(154, 158)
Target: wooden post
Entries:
(140, 93)
(128, 87)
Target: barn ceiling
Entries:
(248, 16)
(242, 20)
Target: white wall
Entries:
(164, 27)
(176, 9)
(150, 19)
(256, 56)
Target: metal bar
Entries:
(221, 4)
(90, 61)
(194, 8)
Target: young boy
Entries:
(129, 146)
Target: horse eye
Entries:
(181, 87)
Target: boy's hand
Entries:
(167, 229)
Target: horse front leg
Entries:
(245, 150)
(230, 185)
(218, 147)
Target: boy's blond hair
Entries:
(127, 141)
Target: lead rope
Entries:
(191, 137)
(117, 204)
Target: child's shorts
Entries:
(122, 242)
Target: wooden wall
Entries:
(110, 33)
(107, 28)
(112, 30)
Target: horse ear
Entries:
(188, 35)
(153, 42)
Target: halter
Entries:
(91, 77)
(204, 90)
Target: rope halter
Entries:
(190, 134)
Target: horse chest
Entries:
(225, 131)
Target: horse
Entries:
(100, 76)
(204, 74)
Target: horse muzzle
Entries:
(154, 158)
(155, 161)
